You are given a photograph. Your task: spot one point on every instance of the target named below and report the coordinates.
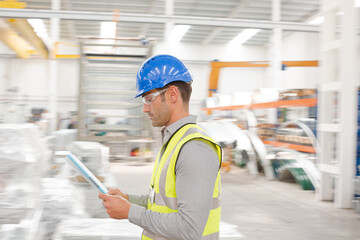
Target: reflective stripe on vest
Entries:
(164, 180)
(150, 236)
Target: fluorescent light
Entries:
(317, 21)
(320, 19)
(340, 13)
(178, 32)
(40, 30)
(244, 36)
(108, 29)
(357, 3)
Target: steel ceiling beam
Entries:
(145, 27)
(14, 41)
(69, 25)
(231, 14)
(27, 32)
(148, 18)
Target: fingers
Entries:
(118, 192)
(116, 207)
(103, 196)
(114, 191)
(106, 200)
(112, 200)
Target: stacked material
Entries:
(97, 229)
(91, 204)
(117, 149)
(300, 132)
(23, 142)
(13, 232)
(246, 146)
(290, 165)
(288, 169)
(266, 131)
(297, 94)
(64, 137)
(58, 204)
(86, 196)
(94, 155)
(23, 156)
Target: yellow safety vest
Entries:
(163, 181)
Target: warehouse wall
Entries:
(230, 79)
(300, 46)
(31, 77)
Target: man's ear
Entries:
(173, 93)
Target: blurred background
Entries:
(276, 84)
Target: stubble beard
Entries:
(159, 120)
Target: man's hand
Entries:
(116, 191)
(116, 206)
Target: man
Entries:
(184, 195)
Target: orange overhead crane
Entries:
(216, 66)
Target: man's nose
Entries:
(146, 108)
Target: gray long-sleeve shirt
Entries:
(196, 172)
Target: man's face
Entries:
(156, 108)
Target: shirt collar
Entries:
(167, 132)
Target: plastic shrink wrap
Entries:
(23, 160)
(64, 137)
(97, 229)
(58, 203)
(94, 155)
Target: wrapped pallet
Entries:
(23, 160)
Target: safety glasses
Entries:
(148, 99)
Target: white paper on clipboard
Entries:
(85, 172)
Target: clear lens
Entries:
(148, 99)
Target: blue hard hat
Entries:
(158, 71)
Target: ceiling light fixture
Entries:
(317, 21)
(178, 32)
(108, 30)
(244, 36)
(40, 29)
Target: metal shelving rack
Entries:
(337, 125)
(303, 102)
(107, 109)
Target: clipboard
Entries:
(85, 172)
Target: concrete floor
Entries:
(254, 208)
